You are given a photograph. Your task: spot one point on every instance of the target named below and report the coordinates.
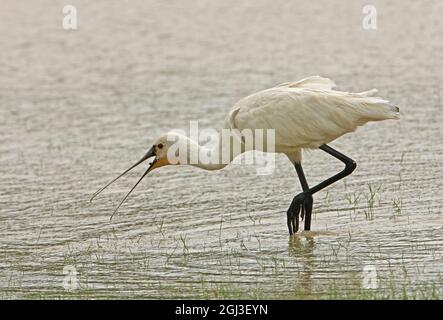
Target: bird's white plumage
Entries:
(307, 113)
(314, 82)
(304, 114)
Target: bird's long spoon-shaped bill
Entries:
(149, 154)
(132, 189)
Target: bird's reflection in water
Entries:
(301, 248)
(301, 245)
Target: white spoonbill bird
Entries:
(307, 114)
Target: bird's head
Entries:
(159, 155)
(159, 152)
(166, 150)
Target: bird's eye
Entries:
(160, 145)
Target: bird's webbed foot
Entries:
(301, 205)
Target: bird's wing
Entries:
(314, 82)
(307, 118)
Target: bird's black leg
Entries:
(303, 201)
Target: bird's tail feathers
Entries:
(379, 109)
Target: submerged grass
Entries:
(312, 267)
(231, 262)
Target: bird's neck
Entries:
(215, 155)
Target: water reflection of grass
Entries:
(296, 286)
(246, 271)
(324, 265)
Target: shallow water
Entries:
(77, 107)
